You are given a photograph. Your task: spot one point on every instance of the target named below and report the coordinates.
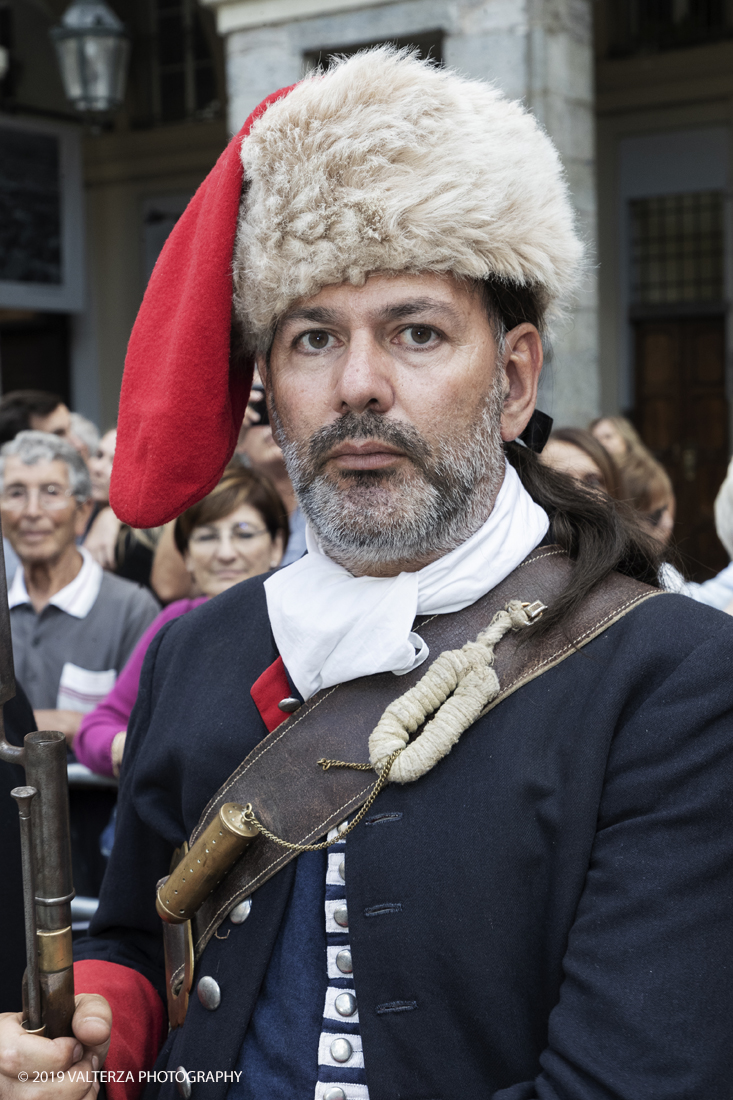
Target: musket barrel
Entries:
(24, 796)
(45, 769)
(43, 756)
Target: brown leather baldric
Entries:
(295, 799)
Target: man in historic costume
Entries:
(537, 903)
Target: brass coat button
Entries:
(345, 1004)
(343, 961)
(341, 916)
(240, 912)
(341, 1050)
(209, 993)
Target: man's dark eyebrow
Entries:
(321, 315)
(416, 305)
(314, 315)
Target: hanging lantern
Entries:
(93, 49)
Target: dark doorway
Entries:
(682, 416)
(34, 352)
(428, 44)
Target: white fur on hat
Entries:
(386, 163)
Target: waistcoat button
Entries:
(290, 704)
(343, 961)
(240, 912)
(342, 870)
(341, 1050)
(182, 1083)
(209, 993)
(345, 1004)
(334, 1093)
(341, 916)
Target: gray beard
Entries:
(374, 518)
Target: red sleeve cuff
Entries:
(138, 1022)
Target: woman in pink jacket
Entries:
(238, 531)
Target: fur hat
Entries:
(384, 163)
(387, 163)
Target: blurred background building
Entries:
(86, 206)
(637, 94)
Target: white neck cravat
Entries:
(330, 626)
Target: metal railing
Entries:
(83, 778)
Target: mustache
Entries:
(373, 426)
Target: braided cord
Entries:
(455, 689)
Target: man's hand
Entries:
(117, 750)
(169, 577)
(65, 721)
(67, 1065)
(102, 538)
(252, 413)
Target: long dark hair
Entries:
(18, 406)
(599, 534)
(587, 443)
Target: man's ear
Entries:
(522, 365)
(261, 367)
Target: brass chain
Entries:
(249, 816)
(326, 764)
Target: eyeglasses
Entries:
(239, 533)
(50, 497)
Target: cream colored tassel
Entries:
(456, 688)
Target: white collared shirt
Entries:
(69, 654)
(76, 598)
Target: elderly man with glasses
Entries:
(73, 625)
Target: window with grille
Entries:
(30, 207)
(677, 248)
(7, 66)
(184, 71)
(640, 26)
(428, 44)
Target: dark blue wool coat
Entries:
(559, 889)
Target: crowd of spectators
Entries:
(81, 587)
(238, 531)
(610, 457)
(73, 624)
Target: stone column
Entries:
(560, 92)
(540, 51)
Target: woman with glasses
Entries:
(238, 531)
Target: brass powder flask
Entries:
(194, 874)
(204, 866)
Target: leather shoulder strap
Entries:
(295, 799)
